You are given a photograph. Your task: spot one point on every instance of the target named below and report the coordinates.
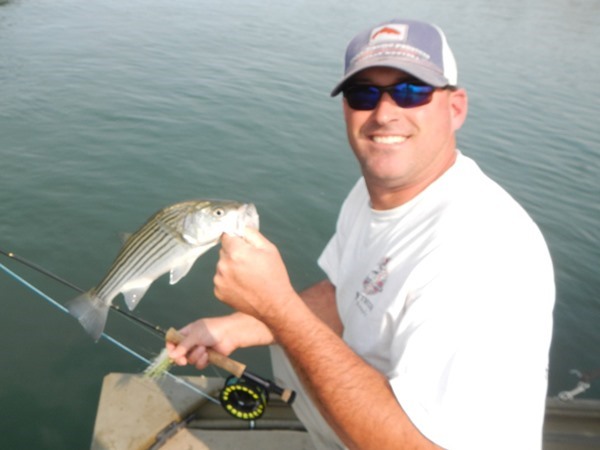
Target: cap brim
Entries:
(416, 69)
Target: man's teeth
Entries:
(389, 139)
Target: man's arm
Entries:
(238, 330)
(352, 395)
(357, 400)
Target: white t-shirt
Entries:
(450, 296)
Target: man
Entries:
(433, 326)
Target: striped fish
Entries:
(170, 241)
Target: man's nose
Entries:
(386, 108)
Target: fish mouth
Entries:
(248, 217)
(239, 217)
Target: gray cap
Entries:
(417, 48)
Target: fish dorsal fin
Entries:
(124, 237)
(134, 294)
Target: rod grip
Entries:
(215, 358)
(288, 396)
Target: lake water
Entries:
(110, 110)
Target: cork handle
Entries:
(234, 367)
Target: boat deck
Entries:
(135, 413)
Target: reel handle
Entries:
(215, 358)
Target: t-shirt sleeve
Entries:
(331, 256)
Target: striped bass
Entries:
(170, 241)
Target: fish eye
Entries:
(219, 212)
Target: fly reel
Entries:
(243, 398)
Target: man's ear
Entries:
(459, 105)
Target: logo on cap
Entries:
(389, 32)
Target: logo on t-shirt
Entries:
(373, 284)
(375, 280)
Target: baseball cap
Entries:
(417, 48)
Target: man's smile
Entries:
(396, 139)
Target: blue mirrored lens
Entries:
(410, 95)
(362, 98)
(406, 95)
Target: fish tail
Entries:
(91, 312)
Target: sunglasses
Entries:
(365, 97)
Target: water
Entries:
(110, 110)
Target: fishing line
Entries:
(104, 335)
(140, 321)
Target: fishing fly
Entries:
(244, 395)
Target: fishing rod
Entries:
(46, 272)
(103, 335)
(245, 394)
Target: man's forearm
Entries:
(351, 394)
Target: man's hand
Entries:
(251, 276)
(223, 334)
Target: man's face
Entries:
(402, 150)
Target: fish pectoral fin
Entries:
(177, 273)
(184, 266)
(189, 239)
(134, 294)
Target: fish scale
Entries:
(158, 250)
(151, 226)
(155, 228)
(168, 216)
(156, 236)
